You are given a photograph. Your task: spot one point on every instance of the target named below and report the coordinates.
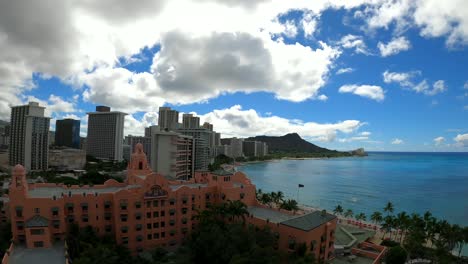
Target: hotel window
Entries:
(323, 238)
(19, 211)
(56, 223)
(172, 222)
(312, 245)
(163, 213)
(172, 212)
(124, 240)
(123, 206)
(138, 216)
(155, 203)
(156, 225)
(70, 208)
(38, 244)
(163, 224)
(148, 226)
(148, 204)
(20, 225)
(172, 201)
(163, 202)
(124, 229)
(184, 220)
(84, 207)
(149, 236)
(184, 210)
(84, 218)
(71, 219)
(37, 210)
(148, 215)
(207, 196)
(292, 244)
(37, 231)
(138, 227)
(55, 211)
(330, 244)
(107, 204)
(123, 217)
(242, 195)
(107, 216)
(173, 243)
(156, 214)
(156, 235)
(184, 230)
(108, 228)
(184, 200)
(172, 232)
(193, 197)
(139, 238)
(138, 205)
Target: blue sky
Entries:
(383, 75)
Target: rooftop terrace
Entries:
(304, 222)
(49, 192)
(23, 255)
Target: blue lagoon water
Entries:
(413, 182)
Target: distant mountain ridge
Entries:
(290, 143)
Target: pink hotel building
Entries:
(148, 210)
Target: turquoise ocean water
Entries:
(413, 182)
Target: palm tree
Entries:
(361, 217)
(236, 209)
(259, 194)
(348, 213)
(266, 199)
(290, 205)
(376, 217)
(389, 208)
(402, 222)
(280, 197)
(338, 210)
(388, 224)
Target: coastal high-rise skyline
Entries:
(67, 133)
(105, 134)
(29, 136)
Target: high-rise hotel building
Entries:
(29, 137)
(105, 134)
(168, 119)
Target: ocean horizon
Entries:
(413, 181)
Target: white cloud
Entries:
(122, 89)
(397, 141)
(395, 46)
(239, 62)
(461, 140)
(354, 42)
(309, 24)
(439, 141)
(370, 91)
(365, 133)
(344, 70)
(405, 80)
(438, 87)
(465, 86)
(433, 18)
(55, 105)
(465, 107)
(235, 121)
(322, 97)
(351, 139)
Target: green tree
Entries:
(376, 217)
(396, 255)
(290, 205)
(348, 213)
(338, 210)
(389, 208)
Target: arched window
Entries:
(140, 165)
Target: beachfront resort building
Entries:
(148, 210)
